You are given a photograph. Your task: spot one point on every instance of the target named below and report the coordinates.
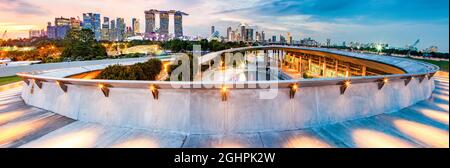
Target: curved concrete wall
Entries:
(202, 111)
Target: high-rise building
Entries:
(274, 39)
(150, 20)
(129, 32)
(257, 37)
(243, 33)
(249, 36)
(213, 29)
(289, 37)
(60, 29)
(75, 23)
(135, 26)
(164, 24)
(263, 36)
(328, 42)
(92, 21)
(36, 33)
(105, 29)
(120, 29)
(150, 16)
(229, 35)
(113, 31)
(62, 21)
(178, 22)
(282, 39)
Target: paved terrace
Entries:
(425, 124)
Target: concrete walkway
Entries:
(425, 124)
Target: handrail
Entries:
(429, 71)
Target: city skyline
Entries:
(396, 22)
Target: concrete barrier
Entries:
(202, 111)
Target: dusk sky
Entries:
(397, 22)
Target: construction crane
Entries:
(412, 47)
(4, 35)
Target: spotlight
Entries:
(382, 82)
(224, 93)
(104, 89)
(344, 86)
(62, 85)
(155, 92)
(293, 89)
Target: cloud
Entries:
(21, 7)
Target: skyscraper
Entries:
(150, 21)
(257, 37)
(164, 24)
(229, 35)
(120, 29)
(113, 31)
(178, 20)
(274, 39)
(62, 21)
(60, 29)
(243, 33)
(213, 29)
(249, 36)
(92, 21)
(263, 36)
(75, 23)
(105, 29)
(135, 26)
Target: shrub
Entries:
(140, 71)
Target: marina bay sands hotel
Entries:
(163, 31)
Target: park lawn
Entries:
(443, 65)
(9, 79)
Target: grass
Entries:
(9, 79)
(443, 65)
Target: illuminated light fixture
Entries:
(224, 93)
(155, 92)
(407, 80)
(292, 90)
(344, 86)
(382, 82)
(104, 89)
(62, 85)
(38, 83)
(421, 78)
(431, 75)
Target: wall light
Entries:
(224, 93)
(155, 92)
(292, 90)
(382, 82)
(407, 80)
(344, 86)
(104, 89)
(62, 85)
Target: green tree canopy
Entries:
(81, 45)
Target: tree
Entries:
(81, 45)
(141, 71)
